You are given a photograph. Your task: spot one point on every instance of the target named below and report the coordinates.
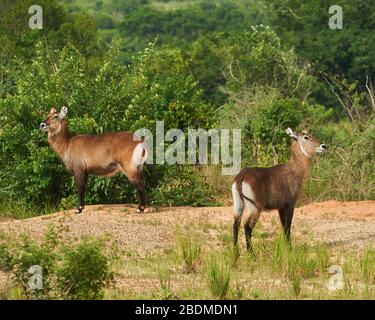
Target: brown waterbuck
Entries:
(277, 187)
(102, 155)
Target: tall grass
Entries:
(188, 253)
(218, 276)
(23, 210)
(367, 267)
(165, 292)
(347, 170)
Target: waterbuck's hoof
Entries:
(79, 210)
(141, 210)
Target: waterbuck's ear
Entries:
(53, 110)
(290, 133)
(63, 112)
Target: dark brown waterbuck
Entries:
(102, 155)
(277, 187)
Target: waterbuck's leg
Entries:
(81, 179)
(286, 217)
(236, 226)
(137, 180)
(238, 207)
(140, 185)
(249, 225)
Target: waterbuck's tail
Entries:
(140, 154)
(238, 184)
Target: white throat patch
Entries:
(303, 151)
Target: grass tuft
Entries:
(218, 276)
(188, 253)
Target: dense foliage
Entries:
(78, 271)
(208, 65)
(102, 97)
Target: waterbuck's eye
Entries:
(306, 137)
(55, 117)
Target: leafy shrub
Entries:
(84, 271)
(76, 271)
(5, 258)
(347, 170)
(269, 123)
(141, 24)
(181, 186)
(105, 22)
(267, 127)
(101, 97)
(256, 58)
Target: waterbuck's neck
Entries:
(60, 141)
(298, 164)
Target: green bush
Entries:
(5, 258)
(182, 185)
(347, 170)
(256, 58)
(84, 271)
(269, 123)
(75, 271)
(101, 97)
(266, 128)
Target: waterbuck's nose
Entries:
(43, 126)
(323, 146)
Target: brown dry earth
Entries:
(332, 222)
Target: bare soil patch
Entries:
(331, 222)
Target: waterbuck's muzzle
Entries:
(43, 126)
(321, 148)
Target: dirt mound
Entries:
(332, 222)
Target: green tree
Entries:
(347, 52)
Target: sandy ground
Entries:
(331, 222)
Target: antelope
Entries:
(277, 187)
(102, 155)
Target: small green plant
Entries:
(301, 258)
(26, 254)
(232, 254)
(84, 271)
(280, 254)
(367, 266)
(323, 257)
(218, 277)
(5, 258)
(76, 271)
(188, 253)
(238, 291)
(165, 285)
(295, 284)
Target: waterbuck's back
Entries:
(101, 154)
(273, 187)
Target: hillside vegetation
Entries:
(123, 65)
